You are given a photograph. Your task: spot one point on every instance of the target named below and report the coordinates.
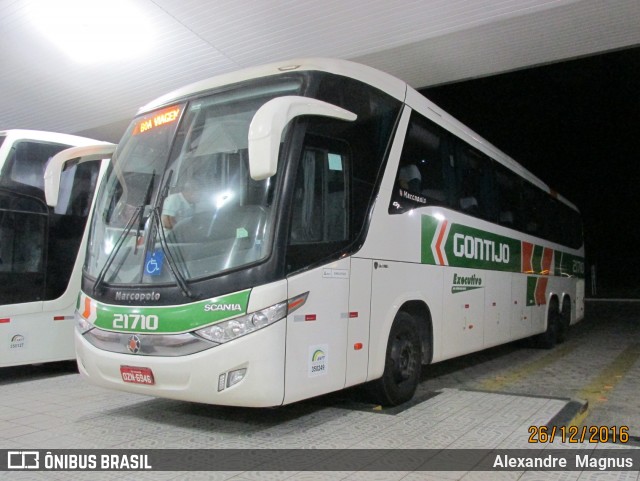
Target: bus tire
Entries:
(565, 321)
(549, 338)
(403, 363)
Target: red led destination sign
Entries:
(158, 119)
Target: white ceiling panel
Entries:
(424, 42)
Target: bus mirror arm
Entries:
(67, 158)
(268, 123)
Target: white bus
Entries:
(329, 226)
(41, 248)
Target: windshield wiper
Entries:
(138, 215)
(112, 255)
(177, 275)
(168, 254)
(145, 202)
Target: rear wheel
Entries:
(565, 320)
(402, 364)
(549, 337)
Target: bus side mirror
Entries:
(268, 123)
(74, 155)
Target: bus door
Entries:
(521, 312)
(317, 332)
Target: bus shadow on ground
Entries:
(33, 372)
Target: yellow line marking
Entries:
(595, 392)
(499, 382)
(580, 417)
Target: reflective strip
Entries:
(87, 308)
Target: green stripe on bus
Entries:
(473, 248)
(429, 227)
(171, 319)
(536, 261)
(568, 265)
(531, 290)
(478, 249)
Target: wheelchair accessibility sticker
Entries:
(153, 263)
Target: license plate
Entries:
(137, 375)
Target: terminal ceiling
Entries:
(426, 43)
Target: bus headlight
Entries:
(82, 325)
(226, 331)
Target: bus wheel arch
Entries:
(405, 353)
(421, 313)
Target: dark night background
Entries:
(575, 125)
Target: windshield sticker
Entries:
(160, 118)
(318, 360)
(153, 263)
(17, 341)
(335, 273)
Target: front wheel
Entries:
(402, 363)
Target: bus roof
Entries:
(389, 84)
(376, 78)
(18, 134)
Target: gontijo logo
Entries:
(457, 245)
(480, 249)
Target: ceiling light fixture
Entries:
(93, 31)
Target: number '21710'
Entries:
(135, 321)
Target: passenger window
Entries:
(423, 174)
(532, 203)
(474, 179)
(508, 191)
(23, 236)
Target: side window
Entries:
(508, 192)
(368, 138)
(533, 200)
(28, 159)
(474, 183)
(320, 209)
(77, 186)
(23, 224)
(424, 172)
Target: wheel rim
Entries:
(403, 357)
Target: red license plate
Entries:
(137, 375)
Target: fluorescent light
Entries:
(92, 31)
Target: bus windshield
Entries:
(178, 202)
